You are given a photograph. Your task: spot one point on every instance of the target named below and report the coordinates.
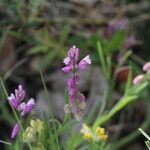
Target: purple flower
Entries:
(29, 105)
(67, 69)
(84, 62)
(67, 61)
(72, 87)
(113, 26)
(25, 108)
(15, 131)
(73, 53)
(77, 100)
(16, 101)
(13, 101)
(70, 84)
(72, 94)
(117, 25)
(20, 93)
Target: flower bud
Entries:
(15, 131)
(66, 69)
(138, 79)
(146, 67)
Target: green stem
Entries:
(121, 104)
(51, 109)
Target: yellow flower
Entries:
(98, 135)
(101, 133)
(87, 136)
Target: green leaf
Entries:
(120, 105)
(48, 59)
(78, 40)
(136, 89)
(129, 81)
(115, 42)
(144, 133)
(64, 34)
(37, 49)
(148, 144)
(102, 57)
(67, 126)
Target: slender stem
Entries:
(49, 103)
(51, 109)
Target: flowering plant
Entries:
(81, 132)
(77, 99)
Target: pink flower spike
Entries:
(146, 67)
(15, 131)
(138, 79)
(66, 69)
(84, 62)
(67, 61)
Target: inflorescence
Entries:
(77, 99)
(16, 102)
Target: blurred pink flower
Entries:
(146, 67)
(138, 79)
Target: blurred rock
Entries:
(56, 99)
(7, 54)
(134, 146)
